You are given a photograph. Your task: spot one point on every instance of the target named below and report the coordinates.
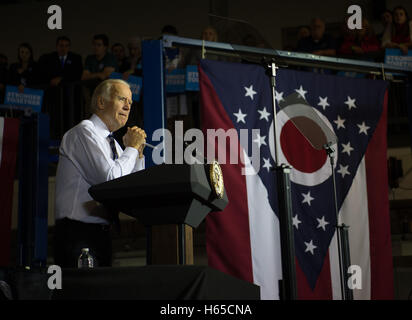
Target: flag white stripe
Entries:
(264, 238)
(1, 135)
(354, 213)
(334, 269)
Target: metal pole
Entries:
(287, 286)
(342, 235)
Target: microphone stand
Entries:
(287, 286)
(342, 235)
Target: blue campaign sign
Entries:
(136, 87)
(192, 78)
(351, 74)
(28, 98)
(395, 57)
(175, 81)
(134, 82)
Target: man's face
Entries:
(209, 35)
(99, 48)
(24, 54)
(303, 32)
(63, 47)
(134, 50)
(115, 111)
(118, 52)
(317, 29)
(386, 18)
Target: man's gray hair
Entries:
(105, 90)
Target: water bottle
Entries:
(85, 259)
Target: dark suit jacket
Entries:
(51, 67)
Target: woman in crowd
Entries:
(209, 34)
(399, 33)
(24, 72)
(360, 41)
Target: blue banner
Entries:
(192, 78)
(395, 57)
(28, 98)
(175, 81)
(134, 82)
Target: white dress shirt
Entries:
(86, 159)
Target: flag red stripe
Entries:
(7, 173)
(227, 232)
(323, 288)
(379, 220)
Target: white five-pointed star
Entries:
(278, 96)
(264, 114)
(296, 221)
(240, 116)
(307, 198)
(323, 102)
(363, 128)
(322, 223)
(340, 123)
(343, 170)
(260, 140)
(250, 92)
(301, 92)
(310, 247)
(267, 164)
(347, 148)
(350, 103)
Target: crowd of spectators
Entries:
(63, 65)
(359, 43)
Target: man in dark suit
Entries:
(62, 98)
(61, 65)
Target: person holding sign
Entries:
(90, 155)
(399, 33)
(23, 73)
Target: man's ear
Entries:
(100, 103)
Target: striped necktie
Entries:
(113, 146)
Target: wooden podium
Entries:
(169, 200)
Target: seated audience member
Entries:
(360, 41)
(169, 30)
(23, 73)
(399, 33)
(386, 20)
(119, 53)
(318, 42)
(61, 65)
(193, 56)
(134, 60)
(102, 63)
(303, 32)
(209, 34)
(175, 57)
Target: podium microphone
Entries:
(150, 145)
